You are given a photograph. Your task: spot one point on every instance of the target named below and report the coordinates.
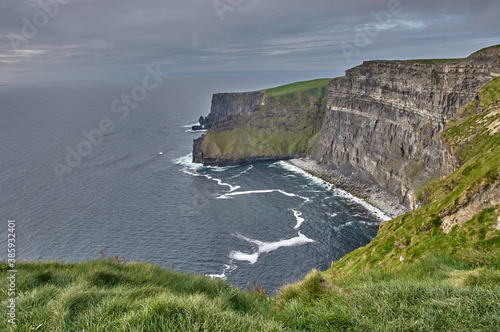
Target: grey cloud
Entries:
(115, 38)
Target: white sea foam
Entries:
(298, 170)
(227, 269)
(187, 161)
(347, 224)
(242, 172)
(376, 212)
(337, 192)
(193, 168)
(195, 131)
(241, 256)
(190, 125)
(370, 223)
(333, 215)
(265, 247)
(263, 191)
(300, 220)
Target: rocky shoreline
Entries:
(375, 196)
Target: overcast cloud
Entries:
(118, 38)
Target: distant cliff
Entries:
(224, 104)
(374, 131)
(269, 125)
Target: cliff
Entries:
(377, 136)
(383, 119)
(275, 124)
(224, 104)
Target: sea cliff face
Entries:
(374, 131)
(383, 119)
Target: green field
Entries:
(298, 86)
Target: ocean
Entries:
(83, 171)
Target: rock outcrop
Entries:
(224, 104)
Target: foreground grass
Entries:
(103, 295)
(437, 293)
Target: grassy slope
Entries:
(105, 295)
(438, 293)
(278, 129)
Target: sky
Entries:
(50, 40)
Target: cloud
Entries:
(114, 38)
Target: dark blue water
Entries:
(267, 223)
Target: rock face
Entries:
(380, 128)
(224, 104)
(383, 118)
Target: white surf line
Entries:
(264, 191)
(336, 191)
(242, 172)
(265, 247)
(241, 256)
(189, 165)
(190, 125)
(227, 268)
(338, 228)
(300, 220)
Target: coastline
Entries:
(372, 195)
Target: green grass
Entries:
(103, 295)
(298, 86)
(435, 61)
(438, 293)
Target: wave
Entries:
(373, 210)
(242, 172)
(228, 268)
(300, 171)
(300, 220)
(370, 223)
(241, 256)
(347, 224)
(187, 161)
(193, 168)
(264, 191)
(265, 247)
(195, 131)
(190, 125)
(336, 191)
